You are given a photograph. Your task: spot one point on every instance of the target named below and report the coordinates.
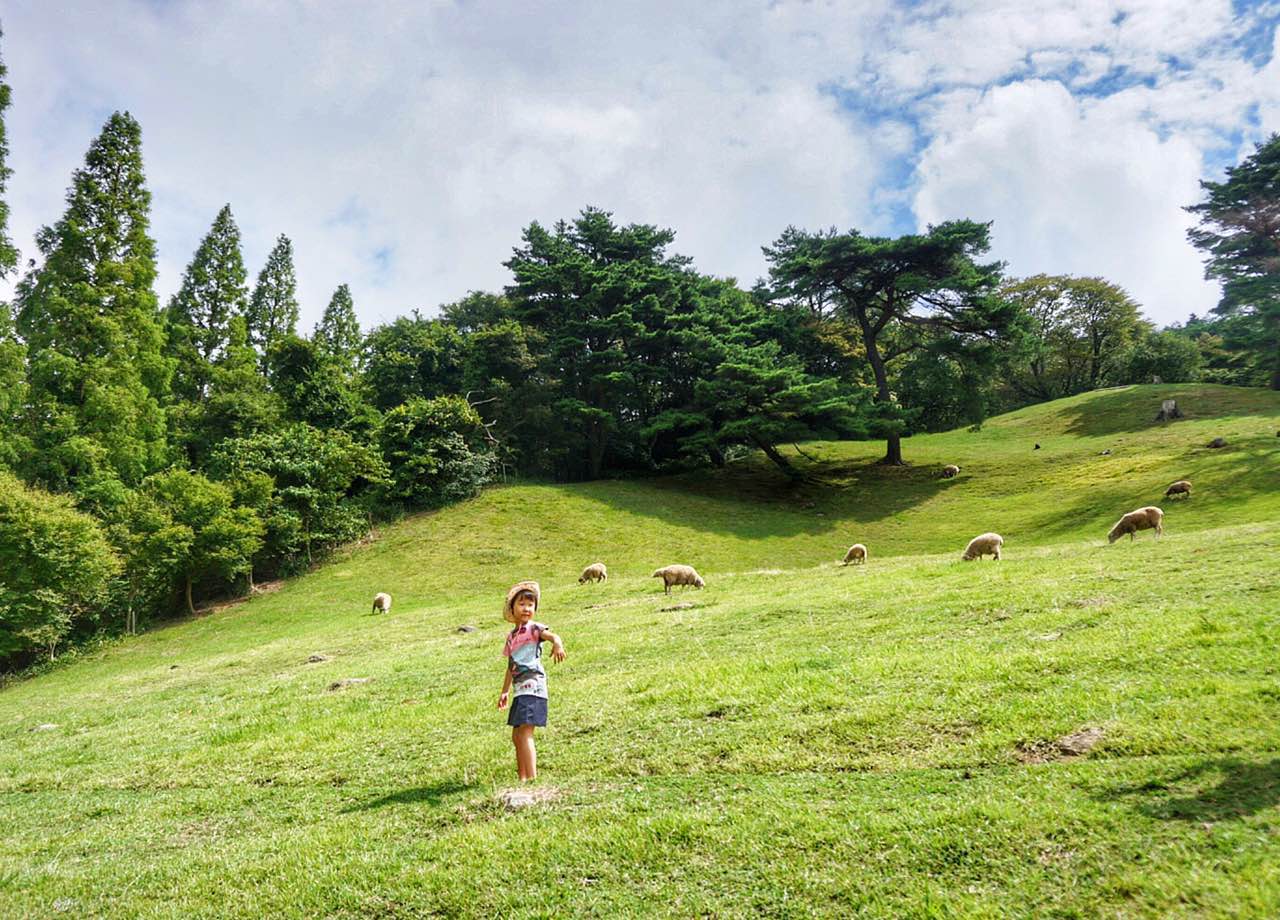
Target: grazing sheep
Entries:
(594, 572)
(982, 545)
(950, 471)
(1181, 487)
(678, 575)
(381, 603)
(857, 553)
(1148, 518)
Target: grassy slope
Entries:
(802, 738)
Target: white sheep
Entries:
(381, 603)
(678, 575)
(1181, 487)
(982, 545)
(857, 553)
(950, 470)
(1148, 518)
(594, 572)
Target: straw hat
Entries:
(508, 608)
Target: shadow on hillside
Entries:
(429, 795)
(1237, 475)
(1241, 789)
(1134, 408)
(760, 503)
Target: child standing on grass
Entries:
(523, 652)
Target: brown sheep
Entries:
(1148, 518)
(857, 553)
(983, 545)
(1181, 487)
(950, 471)
(381, 603)
(594, 572)
(678, 575)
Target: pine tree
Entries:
(213, 290)
(13, 382)
(8, 254)
(273, 309)
(91, 322)
(338, 332)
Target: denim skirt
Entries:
(528, 710)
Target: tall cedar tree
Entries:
(1240, 231)
(13, 383)
(273, 309)
(97, 372)
(338, 332)
(598, 293)
(213, 290)
(916, 292)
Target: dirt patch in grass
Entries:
(1068, 747)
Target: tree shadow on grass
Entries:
(1135, 408)
(1212, 790)
(757, 502)
(429, 795)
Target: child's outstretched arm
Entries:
(506, 686)
(557, 647)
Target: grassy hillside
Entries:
(797, 738)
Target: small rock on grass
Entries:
(45, 727)
(685, 606)
(466, 629)
(316, 658)
(348, 682)
(1079, 743)
(516, 799)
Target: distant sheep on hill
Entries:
(381, 603)
(678, 575)
(594, 572)
(950, 471)
(1148, 518)
(1181, 487)
(857, 553)
(987, 544)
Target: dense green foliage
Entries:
(273, 309)
(1240, 232)
(55, 568)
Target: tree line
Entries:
(155, 455)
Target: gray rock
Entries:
(1079, 743)
(316, 658)
(466, 629)
(348, 682)
(1218, 442)
(45, 727)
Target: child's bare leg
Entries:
(526, 756)
(521, 770)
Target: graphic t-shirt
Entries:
(524, 648)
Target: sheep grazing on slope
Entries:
(950, 470)
(678, 575)
(594, 572)
(857, 553)
(381, 603)
(1181, 487)
(987, 544)
(1148, 518)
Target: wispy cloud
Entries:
(404, 145)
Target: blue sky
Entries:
(403, 144)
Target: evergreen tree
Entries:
(213, 290)
(338, 332)
(239, 404)
(8, 254)
(96, 370)
(1240, 231)
(13, 384)
(273, 309)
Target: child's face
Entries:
(524, 608)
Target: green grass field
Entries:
(797, 739)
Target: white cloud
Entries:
(404, 145)
(1072, 189)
